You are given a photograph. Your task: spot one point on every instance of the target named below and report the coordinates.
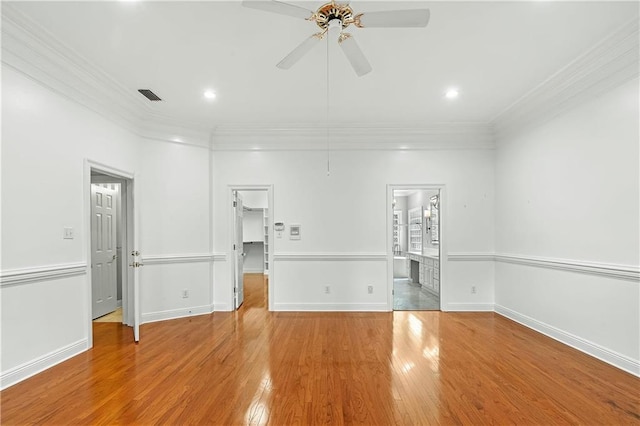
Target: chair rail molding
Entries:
(41, 273)
(610, 270)
(315, 257)
(177, 258)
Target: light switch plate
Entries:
(294, 232)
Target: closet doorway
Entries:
(415, 245)
(252, 245)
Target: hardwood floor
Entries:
(257, 367)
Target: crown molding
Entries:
(33, 51)
(436, 136)
(609, 64)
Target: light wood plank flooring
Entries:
(256, 367)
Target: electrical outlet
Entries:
(327, 289)
(473, 289)
(370, 289)
(67, 233)
(185, 294)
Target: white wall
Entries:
(253, 226)
(344, 215)
(46, 135)
(568, 191)
(175, 232)
(45, 314)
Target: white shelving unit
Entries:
(265, 223)
(397, 229)
(415, 230)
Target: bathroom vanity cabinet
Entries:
(428, 271)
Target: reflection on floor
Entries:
(411, 297)
(256, 291)
(115, 316)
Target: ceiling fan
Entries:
(333, 18)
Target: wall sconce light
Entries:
(427, 217)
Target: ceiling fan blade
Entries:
(297, 53)
(394, 19)
(352, 51)
(280, 8)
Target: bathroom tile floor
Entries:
(411, 297)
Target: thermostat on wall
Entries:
(294, 232)
(279, 227)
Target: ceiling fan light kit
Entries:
(334, 17)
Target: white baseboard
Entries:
(222, 307)
(31, 368)
(253, 271)
(468, 307)
(332, 307)
(610, 357)
(176, 313)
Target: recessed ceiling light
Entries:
(209, 94)
(452, 93)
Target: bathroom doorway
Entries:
(415, 244)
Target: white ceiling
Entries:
(495, 52)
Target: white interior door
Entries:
(103, 251)
(134, 257)
(238, 249)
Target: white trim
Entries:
(33, 51)
(253, 271)
(331, 307)
(610, 63)
(608, 270)
(471, 257)
(31, 368)
(231, 229)
(618, 360)
(222, 307)
(176, 313)
(310, 137)
(176, 258)
(469, 307)
(312, 257)
(42, 273)
(219, 257)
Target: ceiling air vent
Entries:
(149, 95)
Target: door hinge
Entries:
(235, 204)
(234, 246)
(235, 289)
(393, 292)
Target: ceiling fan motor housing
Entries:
(331, 11)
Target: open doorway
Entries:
(112, 258)
(251, 246)
(416, 247)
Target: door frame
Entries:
(130, 285)
(443, 212)
(231, 237)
